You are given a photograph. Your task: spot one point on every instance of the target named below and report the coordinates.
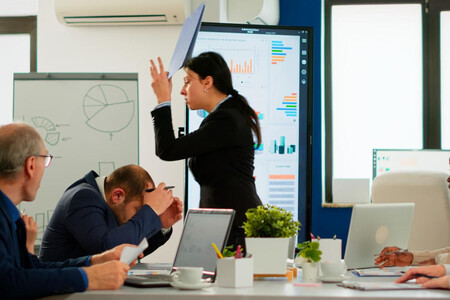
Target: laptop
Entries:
(201, 228)
(373, 227)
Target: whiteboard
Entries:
(87, 121)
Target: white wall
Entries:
(119, 49)
(14, 8)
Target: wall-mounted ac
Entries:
(120, 12)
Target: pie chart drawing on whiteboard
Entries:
(51, 135)
(108, 109)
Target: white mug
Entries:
(333, 268)
(188, 275)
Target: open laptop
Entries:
(201, 228)
(375, 226)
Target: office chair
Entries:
(431, 195)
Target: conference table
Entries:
(263, 288)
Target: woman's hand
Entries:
(162, 86)
(441, 282)
(436, 271)
(394, 256)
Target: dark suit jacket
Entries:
(84, 224)
(24, 276)
(222, 155)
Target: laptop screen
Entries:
(201, 228)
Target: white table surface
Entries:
(267, 288)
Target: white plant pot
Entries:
(291, 248)
(310, 270)
(269, 254)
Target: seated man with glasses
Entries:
(98, 213)
(23, 159)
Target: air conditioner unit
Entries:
(120, 12)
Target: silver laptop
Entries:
(375, 226)
(201, 228)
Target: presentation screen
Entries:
(272, 67)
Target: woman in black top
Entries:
(221, 151)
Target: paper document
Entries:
(186, 40)
(380, 286)
(141, 272)
(131, 253)
(376, 272)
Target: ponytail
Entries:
(252, 118)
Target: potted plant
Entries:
(268, 229)
(308, 256)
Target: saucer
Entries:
(187, 286)
(333, 278)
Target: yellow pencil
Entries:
(217, 250)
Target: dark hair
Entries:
(131, 178)
(212, 64)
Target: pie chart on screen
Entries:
(107, 108)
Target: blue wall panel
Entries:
(326, 222)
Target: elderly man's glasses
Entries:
(47, 159)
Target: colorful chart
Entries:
(279, 52)
(289, 105)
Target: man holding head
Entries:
(98, 213)
(23, 159)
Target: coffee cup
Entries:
(188, 275)
(333, 268)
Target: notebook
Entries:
(375, 226)
(380, 286)
(201, 228)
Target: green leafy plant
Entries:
(270, 221)
(228, 251)
(310, 251)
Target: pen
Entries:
(392, 252)
(308, 284)
(166, 188)
(219, 255)
(238, 252)
(423, 275)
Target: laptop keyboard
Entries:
(156, 277)
(159, 266)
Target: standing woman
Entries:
(221, 150)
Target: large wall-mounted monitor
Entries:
(272, 67)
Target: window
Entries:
(445, 79)
(382, 86)
(17, 55)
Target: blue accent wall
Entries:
(326, 222)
